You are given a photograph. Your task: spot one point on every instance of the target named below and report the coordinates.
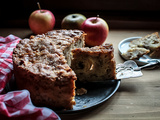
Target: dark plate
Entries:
(97, 93)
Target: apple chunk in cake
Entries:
(94, 64)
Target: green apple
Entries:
(73, 21)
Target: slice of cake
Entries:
(94, 64)
(150, 42)
(40, 66)
(134, 53)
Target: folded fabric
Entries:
(17, 104)
(6, 48)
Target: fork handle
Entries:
(149, 65)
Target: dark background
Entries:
(134, 14)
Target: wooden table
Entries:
(136, 98)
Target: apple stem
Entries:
(97, 17)
(39, 6)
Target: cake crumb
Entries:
(81, 91)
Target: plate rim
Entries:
(117, 84)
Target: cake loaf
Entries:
(40, 66)
(95, 63)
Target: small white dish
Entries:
(123, 46)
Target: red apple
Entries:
(97, 31)
(41, 21)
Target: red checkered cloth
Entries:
(17, 104)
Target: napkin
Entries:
(17, 104)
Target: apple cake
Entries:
(95, 63)
(134, 53)
(40, 66)
(43, 65)
(150, 42)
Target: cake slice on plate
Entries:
(150, 42)
(134, 53)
